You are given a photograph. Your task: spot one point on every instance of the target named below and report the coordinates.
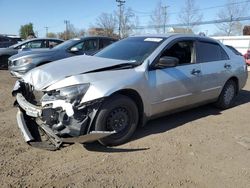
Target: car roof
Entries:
(178, 35)
(34, 39)
(96, 37)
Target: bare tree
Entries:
(71, 32)
(190, 15)
(159, 17)
(127, 21)
(136, 29)
(108, 23)
(232, 11)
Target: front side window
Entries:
(36, 44)
(182, 50)
(208, 51)
(53, 43)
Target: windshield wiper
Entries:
(128, 65)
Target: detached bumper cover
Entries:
(29, 108)
(23, 127)
(35, 112)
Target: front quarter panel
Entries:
(104, 84)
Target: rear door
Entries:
(215, 67)
(176, 87)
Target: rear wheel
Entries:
(227, 96)
(118, 113)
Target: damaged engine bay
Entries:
(58, 115)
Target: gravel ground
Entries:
(202, 147)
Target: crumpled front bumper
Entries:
(32, 111)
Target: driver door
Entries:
(176, 87)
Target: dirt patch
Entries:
(202, 147)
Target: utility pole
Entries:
(165, 18)
(46, 30)
(67, 29)
(120, 4)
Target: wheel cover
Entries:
(229, 94)
(118, 119)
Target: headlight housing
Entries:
(22, 61)
(73, 92)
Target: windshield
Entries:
(135, 49)
(67, 44)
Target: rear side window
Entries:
(106, 42)
(208, 51)
(53, 43)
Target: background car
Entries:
(5, 53)
(8, 40)
(21, 63)
(247, 57)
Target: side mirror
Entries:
(167, 61)
(23, 47)
(74, 49)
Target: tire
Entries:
(118, 113)
(227, 96)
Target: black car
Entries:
(8, 40)
(23, 62)
(5, 53)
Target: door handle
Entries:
(227, 66)
(195, 71)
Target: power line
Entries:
(196, 23)
(146, 14)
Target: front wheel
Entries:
(118, 113)
(227, 96)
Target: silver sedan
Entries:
(106, 96)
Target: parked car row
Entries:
(6, 53)
(23, 62)
(106, 96)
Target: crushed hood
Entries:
(43, 76)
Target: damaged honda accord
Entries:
(106, 96)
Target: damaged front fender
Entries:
(60, 121)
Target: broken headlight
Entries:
(73, 92)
